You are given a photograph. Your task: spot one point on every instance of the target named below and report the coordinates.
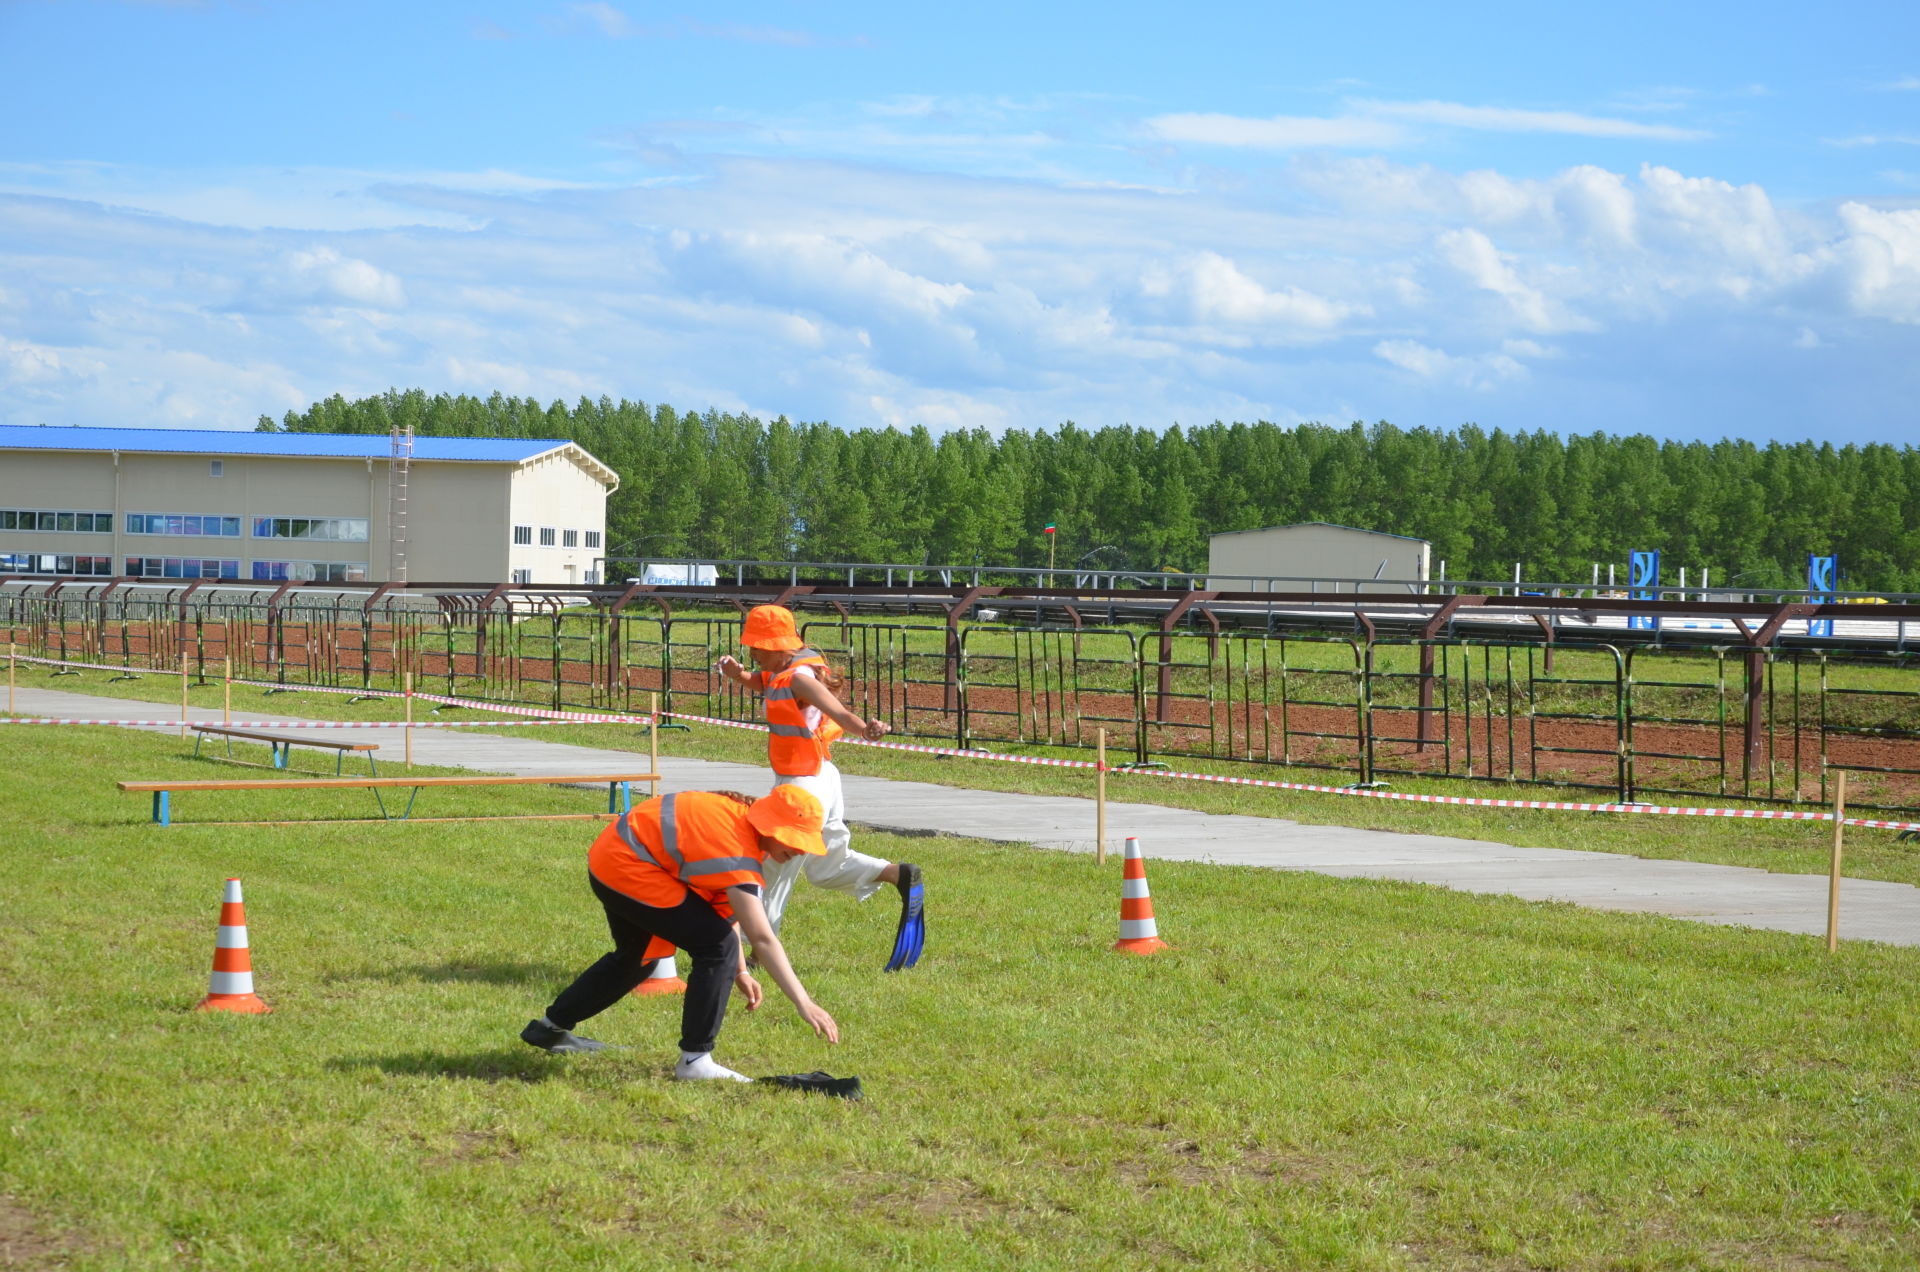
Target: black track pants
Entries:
(694, 926)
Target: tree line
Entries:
(716, 484)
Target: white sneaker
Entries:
(704, 1068)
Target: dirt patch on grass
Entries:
(1186, 1164)
(474, 1146)
(26, 1242)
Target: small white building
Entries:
(322, 507)
(1295, 558)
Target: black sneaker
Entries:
(560, 1041)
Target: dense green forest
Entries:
(721, 485)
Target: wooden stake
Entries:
(653, 743)
(407, 690)
(1100, 800)
(1833, 874)
(226, 691)
(183, 695)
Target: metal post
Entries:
(1833, 870)
(407, 692)
(1100, 799)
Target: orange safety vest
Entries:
(691, 841)
(796, 748)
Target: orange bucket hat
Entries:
(770, 627)
(792, 816)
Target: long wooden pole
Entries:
(1833, 872)
(1100, 800)
(653, 744)
(406, 682)
(183, 695)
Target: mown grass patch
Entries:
(1323, 1073)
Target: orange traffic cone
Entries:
(665, 977)
(232, 986)
(1138, 933)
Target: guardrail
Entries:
(1727, 698)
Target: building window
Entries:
(310, 571)
(326, 529)
(215, 468)
(183, 524)
(523, 576)
(523, 536)
(546, 536)
(46, 563)
(593, 576)
(593, 538)
(569, 538)
(56, 522)
(181, 568)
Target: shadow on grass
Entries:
(472, 971)
(500, 1064)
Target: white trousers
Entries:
(840, 869)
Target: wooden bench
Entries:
(281, 746)
(619, 790)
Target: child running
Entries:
(797, 690)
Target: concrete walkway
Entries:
(1730, 895)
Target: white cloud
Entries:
(1474, 255)
(1880, 257)
(611, 22)
(1222, 293)
(1905, 84)
(1871, 139)
(1479, 373)
(323, 275)
(863, 294)
(1500, 119)
(1281, 132)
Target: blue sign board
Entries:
(1643, 573)
(1821, 573)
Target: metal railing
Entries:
(1527, 690)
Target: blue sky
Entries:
(1699, 220)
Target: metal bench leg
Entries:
(161, 813)
(339, 758)
(384, 814)
(373, 764)
(198, 738)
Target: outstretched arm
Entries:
(815, 694)
(767, 948)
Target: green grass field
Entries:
(1322, 1074)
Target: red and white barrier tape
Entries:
(548, 716)
(321, 724)
(1469, 801)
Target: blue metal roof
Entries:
(198, 441)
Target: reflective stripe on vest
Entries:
(669, 839)
(669, 857)
(793, 748)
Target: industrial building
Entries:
(324, 507)
(1289, 558)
